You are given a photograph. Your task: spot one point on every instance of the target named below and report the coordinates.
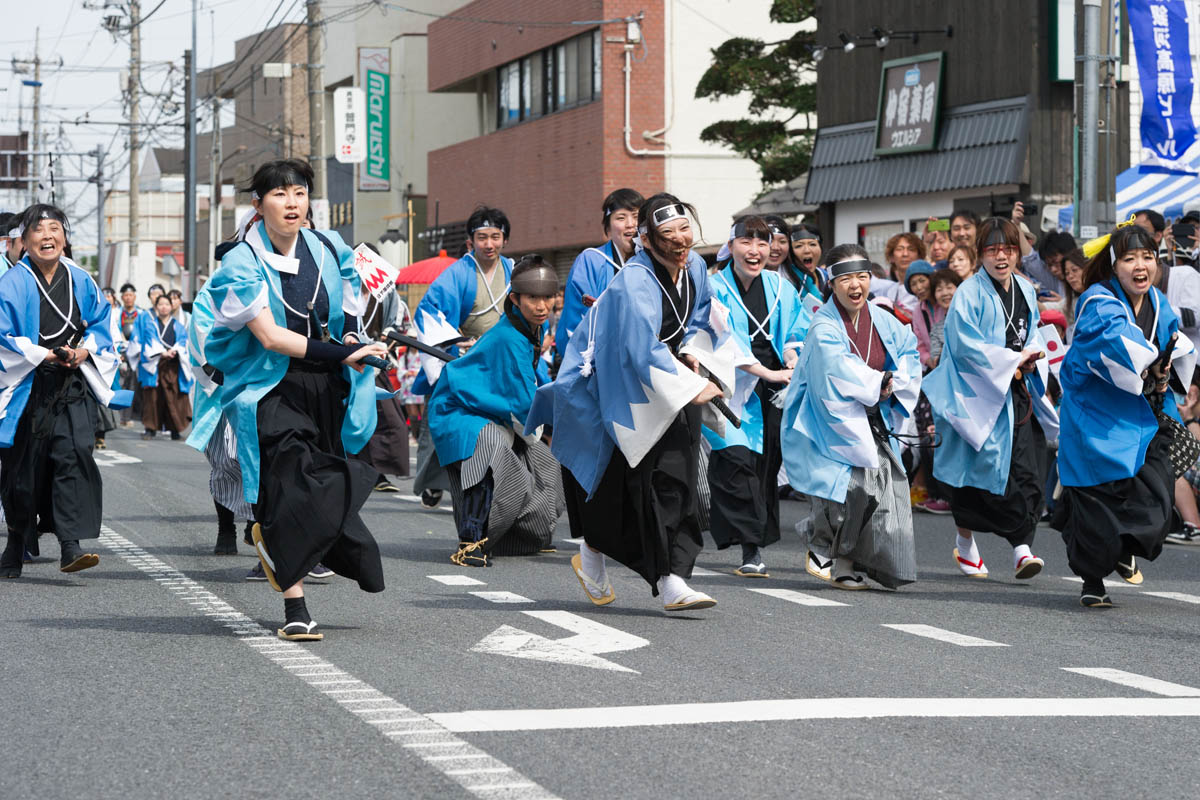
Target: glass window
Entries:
(509, 108)
(559, 77)
(533, 78)
(560, 80)
(551, 56)
(596, 64)
(526, 90)
(584, 46)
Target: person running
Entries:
(287, 305)
(857, 380)
(57, 352)
(769, 325)
(466, 300)
(627, 406)
(1119, 418)
(988, 394)
(505, 486)
(159, 347)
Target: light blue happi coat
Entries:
(206, 405)
(618, 385)
(826, 433)
(787, 329)
(20, 353)
(244, 285)
(970, 390)
(146, 347)
(447, 304)
(1107, 424)
(493, 382)
(589, 277)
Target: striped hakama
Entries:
(874, 525)
(526, 492)
(225, 477)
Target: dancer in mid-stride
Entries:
(1123, 444)
(287, 304)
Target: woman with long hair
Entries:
(1119, 419)
(287, 304)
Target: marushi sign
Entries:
(374, 71)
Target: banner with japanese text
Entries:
(1160, 36)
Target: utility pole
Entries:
(214, 194)
(189, 178)
(1091, 97)
(316, 100)
(36, 175)
(135, 81)
(100, 214)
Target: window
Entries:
(563, 76)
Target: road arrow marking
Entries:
(580, 650)
(111, 458)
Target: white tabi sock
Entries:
(967, 548)
(592, 562)
(672, 588)
(1019, 552)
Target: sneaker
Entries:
(257, 573)
(74, 559)
(1129, 571)
(321, 572)
(758, 570)
(972, 569)
(1027, 567)
(933, 506)
(1190, 535)
(818, 568)
(431, 497)
(385, 486)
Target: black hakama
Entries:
(387, 449)
(1013, 515)
(50, 466)
(744, 484)
(309, 493)
(1131, 516)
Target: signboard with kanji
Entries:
(910, 92)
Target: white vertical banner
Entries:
(349, 114)
(374, 78)
(320, 210)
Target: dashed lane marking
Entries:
(942, 635)
(1180, 596)
(1135, 681)
(455, 580)
(501, 597)
(799, 598)
(415, 732)
(1107, 584)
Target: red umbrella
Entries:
(426, 270)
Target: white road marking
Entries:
(455, 580)
(501, 597)
(701, 572)
(434, 510)
(786, 709)
(575, 541)
(591, 636)
(264, 642)
(111, 458)
(1135, 681)
(516, 643)
(800, 598)
(1180, 596)
(1107, 584)
(960, 639)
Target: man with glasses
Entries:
(989, 404)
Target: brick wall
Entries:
(465, 48)
(550, 175)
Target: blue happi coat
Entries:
(146, 347)
(206, 406)
(788, 327)
(493, 382)
(245, 285)
(826, 433)
(445, 307)
(1107, 424)
(618, 385)
(20, 353)
(589, 277)
(970, 390)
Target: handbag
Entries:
(1184, 449)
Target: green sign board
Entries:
(374, 173)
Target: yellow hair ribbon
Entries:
(1091, 248)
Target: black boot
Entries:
(74, 559)
(247, 537)
(226, 532)
(14, 552)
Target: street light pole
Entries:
(189, 182)
(1091, 97)
(316, 100)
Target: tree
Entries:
(770, 72)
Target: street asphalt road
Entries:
(157, 674)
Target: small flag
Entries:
(1056, 351)
(378, 276)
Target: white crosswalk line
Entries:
(1107, 584)
(799, 598)
(501, 597)
(1180, 596)
(1135, 681)
(455, 580)
(942, 635)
